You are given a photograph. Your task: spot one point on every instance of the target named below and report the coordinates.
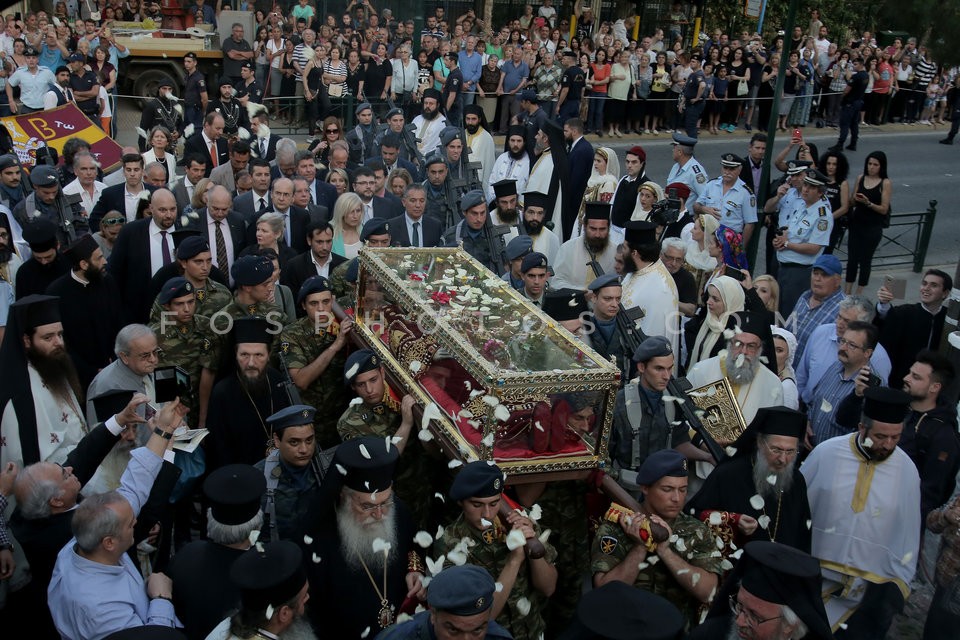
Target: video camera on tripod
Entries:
(666, 211)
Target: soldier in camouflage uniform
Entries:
(312, 348)
(685, 567)
(186, 340)
(292, 481)
(194, 261)
(479, 537)
(379, 414)
(473, 231)
(375, 233)
(254, 278)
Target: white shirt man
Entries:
(512, 164)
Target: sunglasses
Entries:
(112, 221)
(333, 130)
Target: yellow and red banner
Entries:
(52, 128)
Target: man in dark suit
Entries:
(321, 193)
(380, 184)
(753, 163)
(301, 198)
(256, 201)
(413, 229)
(364, 184)
(390, 157)
(580, 159)
(318, 261)
(195, 166)
(219, 223)
(262, 147)
(284, 165)
(143, 247)
(122, 197)
(209, 142)
(226, 174)
(296, 219)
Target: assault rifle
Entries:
(628, 325)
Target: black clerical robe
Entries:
(343, 601)
(905, 331)
(730, 487)
(203, 593)
(238, 429)
(34, 278)
(92, 315)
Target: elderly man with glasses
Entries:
(138, 354)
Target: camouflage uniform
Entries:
(338, 280)
(213, 297)
(611, 545)
(261, 309)
(292, 498)
(301, 345)
(564, 513)
(490, 552)
(193, 347)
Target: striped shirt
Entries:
(300, 60)
(828, 393)
(807, 319)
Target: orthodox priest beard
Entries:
(742, 373)
(508, 216)
(519, 154)
(255, 381)
(533, 227)
(57, 372)
(597, 245)
(429, 114)
(763, 472)
(356, 540)
(472, 129)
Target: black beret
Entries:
(375, 227)
(433, 159)
(479, 479)
(313, 284)
(360, 362)
(191, 247)
(174, 288)
(464, 590)
(252, 270)
(179, 235)
(369, 463)
(652, 347)
(535, 260)
(270, 577)
(666, 462)
(353, 271)
(296, 415)
(234, 492)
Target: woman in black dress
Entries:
(871, 206)
(379, 76)
(288, 82)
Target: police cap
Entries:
(296, 415)
(731, 160)
(519, 247)
(44, 176)
(606, 280)
(471, 199)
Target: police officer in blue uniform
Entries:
(686, 169)
(194, 92)
(729, 199)
(779, 204)
(807, 234)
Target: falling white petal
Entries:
(415, 366)
(538, 425)
(453, 464)
(825, 406)
(739, 361)
(498, 586)
(728, 333)
(736, 554)
(486, 524)
(457, 557)
(523, 606)
(439, 532)
(643, 565)
(188, 131)
(491, 400)
(430, 412)
(726, 565)
(365, 633)
(545, 536)
(259, 546)
(425, 435)
(316, 558)
(535, 513)
(756, 502)
(680, 545)
(809, 523)
(764, 521)
(364, 452)
(243, 133)
(501, 413)
(254, 536)
(352, 371)
(772, 479)
(423, 539)
(340, 468)
(905, 560)
(694, 578)
(715, 518)
(488, 440)
(867, 442)
(307, 539)
(439, 496)
(515, 539)
(381, 546)
(269, 611)
(141, 133)
(435, 566)
(356, 401)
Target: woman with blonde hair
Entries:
(768, 290)
(340, 179)
(347, 223)
(398, 180)
(725, 297)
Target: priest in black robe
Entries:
(45, 264)
(758, 491)
(91, 309)
(352, 594)
(249, 393)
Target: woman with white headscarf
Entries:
(602, 182)
(785, 345)
(725, 297)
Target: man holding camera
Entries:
(729, 200)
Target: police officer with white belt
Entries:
(686, 168)
(729, 199)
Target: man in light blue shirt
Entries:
(728, 199)
(471, 64)
(34, 81)
(96, 589)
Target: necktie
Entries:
(416, 234)
(263, 148)
(286, 226)
(164, 248)
(213, 153)
(221, 246)
(263, 205)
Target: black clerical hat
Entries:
(252, 330)
(36, 310)
(367, 463)
(564, 304)
(756, 322)
(596, 210)
(618, 611)
(886, 405)
(40, 234)
(234, 492)
(112, 403)
(535, 199)
(270, 577)
(504, 188)
(640, 232)
(81, 249)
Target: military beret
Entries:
(431, 93)
(471, 199)
(313, 284)
(252, 270)
(250, 330)
(191, 247)
(814, 178)
(797, 166)
(81, 248)
(640, 232)
(478, 479)
(174, 288)
(535, 260)
(369, 463)
(731, 160)
(394, 112)
(40, 234)
(270, 577)
(433, 159)
(353, 271)
(564, 304)
(666, 462)
(61, 69)
(652, 347)
(448, 135)
(363, 106)
(529, 95)
(534, 199)
(504, 188)
(8, 160)
(519, 247)
(464, 590)
(234, 492)
(147, 632)
(885, 405)
(296, 415)
(246, 64)
(637, 150)
(681, 189)
(684, 140)
(606, 280)
(596, 210)
(44, 176)
(375, 227)
(360, 362)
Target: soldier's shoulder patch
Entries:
(284, 347)
(205, 345)
(822, 225)
(608, 544)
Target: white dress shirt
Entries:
(410, 221)
(322, 269)
(87, 201)
(156, 249)
(227, 240)
(130, 202)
